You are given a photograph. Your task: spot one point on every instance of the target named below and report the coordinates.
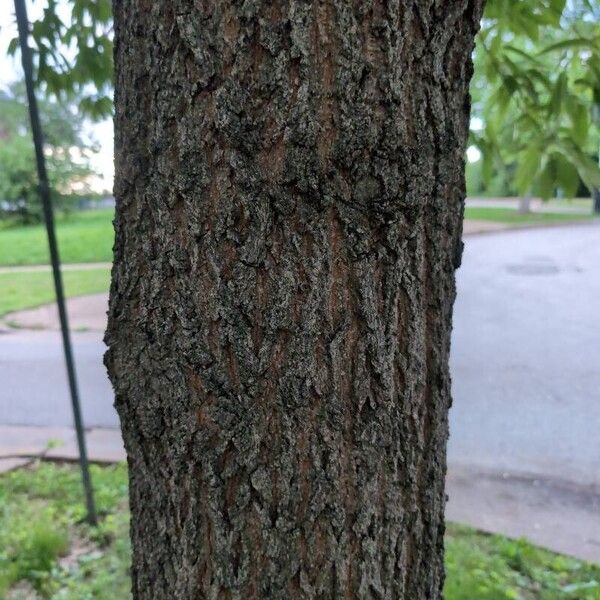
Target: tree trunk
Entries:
(289, 194)
(524, 205)
(596, 200)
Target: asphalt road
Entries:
(33, 380)
(525, 359)
(526, 354)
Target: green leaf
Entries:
(567, 44)
(526, 55)
(12, 46)
(527, 169)
(557, 6)
(580, 121)
(586, 167)
(567, 176)
(525, 24)
(487, 166)
(547, 180)
(558, 94)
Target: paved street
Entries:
(526, 354)
(525, 359)
(33, 381)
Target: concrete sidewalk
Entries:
(20, 443)
(558, 515)
(86, 313)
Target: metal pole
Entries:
(23, 25)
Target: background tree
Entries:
(537, 93)
(66, 155)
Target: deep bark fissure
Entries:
(289, 194)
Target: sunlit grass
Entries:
(21, 289)
(83, 236)
(511, 216)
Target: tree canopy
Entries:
(536, 90)
(68, 165)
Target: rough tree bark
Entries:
(289, 202)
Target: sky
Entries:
(10, 70)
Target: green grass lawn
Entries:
(20, 290)
(83, 236)
(511, 217)
(47, 552)
(45, 549)
(575, 202)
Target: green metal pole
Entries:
(36, 129)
